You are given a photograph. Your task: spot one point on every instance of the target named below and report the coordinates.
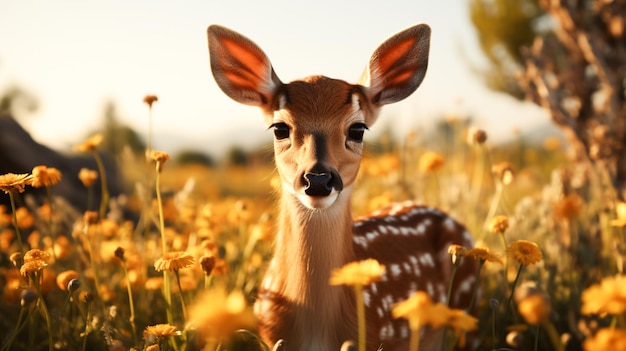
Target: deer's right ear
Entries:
(240, 68)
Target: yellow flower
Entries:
(607, 297)
(161, 330)
(11, 182)
(160, 157)
(457, 251)
(90, 144)
(499, 224)
(419, 310)
(483, 254)
(32, 266)
(150, 99)
(620, 209)
(36, 255)
(45, 176)
(174, 261)
(503, 172)
(461, 322)
(525, 252)
(535, 308)
(217, 314)
(87, 176)
(430, 162)
(607, 339)
(415, 309)
(357, 273)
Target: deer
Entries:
(318, 125)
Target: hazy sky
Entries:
(74, 55)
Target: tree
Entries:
(573, 65)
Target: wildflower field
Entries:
(174, 263)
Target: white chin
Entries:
(318, 202)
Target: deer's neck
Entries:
(310, 244)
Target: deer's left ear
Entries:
(398, 66)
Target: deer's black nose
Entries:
(318, 184)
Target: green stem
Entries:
(495, 202)
(536, 339)
(130, 302)
(553, 335)
(360, 312)
(104, 201)
(452, 274)
(509, 305)
(51, 223)
(180, 294)
(41, 303)
(17, 227)
(475, 289)
(86, 327)
(160, 207)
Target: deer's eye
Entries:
(356, 131)
(281, 130)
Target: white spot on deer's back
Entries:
(426, 259)
(367, 299)
(395, 270)
(371, 236)
(449, 224)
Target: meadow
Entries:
(174, 264)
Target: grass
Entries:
(227, 214)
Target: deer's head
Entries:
(319, 122)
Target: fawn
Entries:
(318, 125)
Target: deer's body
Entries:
(318, 124)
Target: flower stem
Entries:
(104, 201)
(415, 339)
(360, 312)
(131, 319)
(509, 305)
(452, 274)
(180, 294)
(41, 303)
(17, 227)
(475, 289)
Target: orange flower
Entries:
(217, 314)
(535, 308)
(457, 251)
(607, 297)
(357, 273)
(90, 144)
(503, 172)
(87, 176)
(45, 176)
(499, 224)
(161, 330)
(430, 162)
(525, 252)
(150, 99)
(483, 254)
(174, 261)
(607, 339)
(11, 182)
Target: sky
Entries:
(77, 55)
